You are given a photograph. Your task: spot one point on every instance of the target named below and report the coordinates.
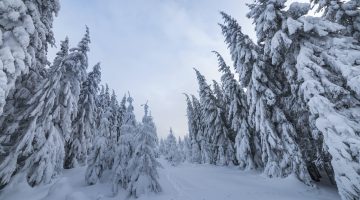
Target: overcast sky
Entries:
(149, 47)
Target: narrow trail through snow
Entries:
(184, 182)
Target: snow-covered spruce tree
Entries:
(162, 147)
(157, 143)
(327, 73)
(100, 157)
(109, 124)
(84, 125)
(238, 119)
(125, 148)
(345, 13)
(114, 127)
(143, 165)
(172, 155)
(187, 148)
(121, 116)
(308, 138)
(96, 157)
(129, 123)
(226, 152)
(208, 110)
(219, 95)
(33, 139)
(72, 74)
(200, 146)
(92, 85)
(218, 134)
(114, 108)
(194, 149)
(181, 146)
(96, 160)
(25, 32)
(267, 85)
(69, 96)
(29, 141)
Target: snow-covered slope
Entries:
(185, 182)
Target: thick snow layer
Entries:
(184, 182)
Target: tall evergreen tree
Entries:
(314, 60)
(69, 97)
(84, 126)
(328, 86)
(181, 146)
(281, 155)
(245, 142)
(120, 117)
(113, 126)
(225, 141)
(100, 157)
(125, 148)
(33, 139)
(143, 165)
(172, 155)
(206, 109)
(25, 33)
(129, 123)
(219, 143)
(187, 148)
(200, 146)
(194, 150)
(162, 148)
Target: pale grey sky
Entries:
(149, 47)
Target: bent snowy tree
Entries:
(301, 109)
(33, 139)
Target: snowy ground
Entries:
(185, 182)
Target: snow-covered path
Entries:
(207, 182)
(184, 182)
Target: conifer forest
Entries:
(281, 121)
